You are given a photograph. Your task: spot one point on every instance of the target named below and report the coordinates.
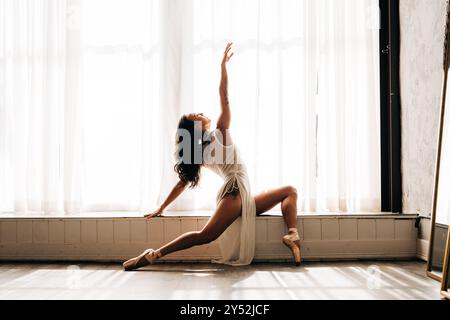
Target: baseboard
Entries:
(110, 239)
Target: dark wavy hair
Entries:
(186, 167)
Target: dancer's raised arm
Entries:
(223, 123)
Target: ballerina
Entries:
(233, 222)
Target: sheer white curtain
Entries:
(92, 90)
(305, 94)
(32, 100)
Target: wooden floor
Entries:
(345, 280)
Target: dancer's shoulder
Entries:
(222, 137)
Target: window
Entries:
(304, 89)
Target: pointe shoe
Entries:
(292, 241)
(148, 257)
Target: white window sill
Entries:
(196, 214)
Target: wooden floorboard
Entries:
(343, 280)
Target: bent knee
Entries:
(291, 191)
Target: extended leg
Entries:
(227, 212)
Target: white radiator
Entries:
(116, 239)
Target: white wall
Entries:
(422, 25)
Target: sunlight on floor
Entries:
(346, 280)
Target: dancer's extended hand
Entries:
(157, 213)
(227, 56)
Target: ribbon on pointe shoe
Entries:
(153, 255)
(293, 235)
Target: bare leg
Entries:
(287, 196)
(227, 212)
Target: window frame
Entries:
(390, 107)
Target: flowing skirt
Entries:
(237, 243)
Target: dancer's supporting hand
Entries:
(157, 213)
(179, 188)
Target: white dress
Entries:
(237, 243)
